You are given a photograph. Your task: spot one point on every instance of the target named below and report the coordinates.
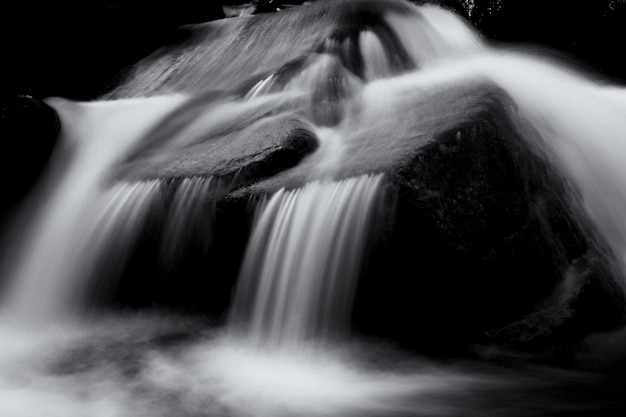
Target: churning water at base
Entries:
(304, 257)
(160, 365)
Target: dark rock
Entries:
(228, 54)
(201, 279)
(584, 303)
(483, 238)
(29, 130)
(258, 146)
(399, 129)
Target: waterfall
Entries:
(347, 78)
(304, 257)
(54, 285)
(81, 216)
(348, 82)
(231, 189)
(189, 219)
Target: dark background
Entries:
(76, 49)
(592, 32)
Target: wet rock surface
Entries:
(238, 157)
(484, 248)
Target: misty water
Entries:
(130, 169)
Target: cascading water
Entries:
(106, 230)
(192, 201)
(91, 221)
(296, 109)
(304, 257)
(81, 216)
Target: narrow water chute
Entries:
(304, 258)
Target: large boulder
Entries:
(236, 143)
(485, 248)
(236, 53)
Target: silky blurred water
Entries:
(163, 364)
(359, 90)
(303, 262)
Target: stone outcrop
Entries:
(28, 133)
